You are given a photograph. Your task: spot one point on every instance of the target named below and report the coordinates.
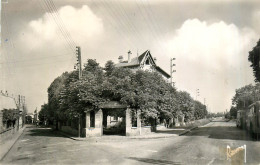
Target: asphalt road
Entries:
(205, 145)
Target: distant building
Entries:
(144, 61)
(35, 116)
(29, 118)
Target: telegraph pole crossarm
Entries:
(172, 71)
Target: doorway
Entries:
(114, 122)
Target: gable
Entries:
(144, 61)
(147, 59)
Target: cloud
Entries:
(82, 25)
(213, 58)
(255, 20)
(44, 53)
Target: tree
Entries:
(254, 58)
(200, 110)
(69, 96)
(109, 67)
(43, 114)
(244, 97)
(233, 112)
(185, 105)
(56, 93)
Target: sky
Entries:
(210, 40)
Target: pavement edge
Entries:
(12, 142)
(187, 131)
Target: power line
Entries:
(113, 14)
(35, 59)
(45, 9)
(39, 64)
(62, 23)
(59, 24)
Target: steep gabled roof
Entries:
(163, 72)
(136, 61)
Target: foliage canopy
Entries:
(69, 96)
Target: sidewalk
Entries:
(6, 146)
(154, 135)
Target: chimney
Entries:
(129, 56)
(120, 59)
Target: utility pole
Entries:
(78, 66)
(172, 71)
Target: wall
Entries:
(69, 130)
(146, 130)
(8, 134)
(98, 129)
(132, 131)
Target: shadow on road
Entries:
(231, 133)
(154, 161)
(169, 131)
(34, 131)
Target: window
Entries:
(92, 118)
(147, 61)
(115, 118)
(134, 119)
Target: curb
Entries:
(155, 137)
(68, 136)
(123, 138)
(20, 132)
(188, 130)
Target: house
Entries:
(145, 61)
(103, 121)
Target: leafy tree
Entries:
(56, 92)
(254, 58)
(109, 67)
(233, 112)
(246, 95)
(200, 111)
(43, 114)
(69, 96)
(185, 105)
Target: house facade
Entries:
(145, 61)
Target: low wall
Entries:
(146, 130)
(132, 131)
(93, 132)
(69, 130)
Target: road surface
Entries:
(205, 145)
